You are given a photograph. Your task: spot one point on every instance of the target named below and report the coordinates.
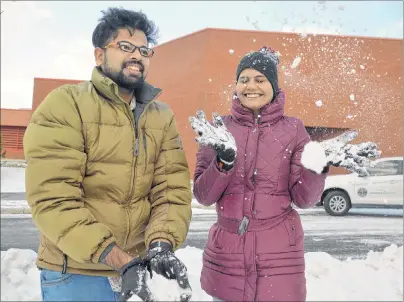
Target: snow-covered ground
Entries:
(12, 179)
(379, 277)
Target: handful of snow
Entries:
(216, 136)
(313, 157)
(163, 289)
(337, 152)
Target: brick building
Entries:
(332, 83)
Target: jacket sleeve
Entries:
(305, 186)
(54, 151)
(209, 181)
(170, 195)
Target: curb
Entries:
(13, 163)
(15, 210)
(10, 210)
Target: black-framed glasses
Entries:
(129, 47)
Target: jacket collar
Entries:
(109, 89)
(270, 113)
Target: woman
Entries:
(253, 164)
(255, 250)
(249, 164)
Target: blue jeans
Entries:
(56, 286)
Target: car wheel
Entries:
(337, 203)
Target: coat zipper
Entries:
(137, 144)
(257, 121)
(145, 149)
(134, 162)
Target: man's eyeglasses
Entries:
(129, 47)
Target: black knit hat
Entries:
(265, 61)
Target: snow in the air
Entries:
(319, 103)
(352, 97)
(231, 51)
(362, 67)
(376, 278)
(296, 62)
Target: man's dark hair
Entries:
(115, 19)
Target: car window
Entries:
(388, 167)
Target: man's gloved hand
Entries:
(216, 137)
(163, 261)
(134, 281)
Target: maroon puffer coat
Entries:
(266, 262)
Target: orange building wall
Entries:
(43, 86)
(324, 73)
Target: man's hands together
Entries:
(160, 259)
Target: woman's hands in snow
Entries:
(337, 152)
(215, 136)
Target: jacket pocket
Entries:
(216, 240)
(291, 229)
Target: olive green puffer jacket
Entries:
(95, 175)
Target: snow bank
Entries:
(12, 179)
(379, 277)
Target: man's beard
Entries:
(127, 82)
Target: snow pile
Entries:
(19, 276)
(12, 179)
(379, 277)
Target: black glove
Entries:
(162, 260)
(225, 156)
(134, 280)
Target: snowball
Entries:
(313, 157)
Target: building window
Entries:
(323, 133)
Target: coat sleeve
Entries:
(170, 195)
(305, 186)
(209, 181)
(54, 151)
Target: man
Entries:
(107, 179)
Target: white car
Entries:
(383, 187)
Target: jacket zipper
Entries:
(257, 121)
(134, 162)
(137, 144)
(145, 149)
